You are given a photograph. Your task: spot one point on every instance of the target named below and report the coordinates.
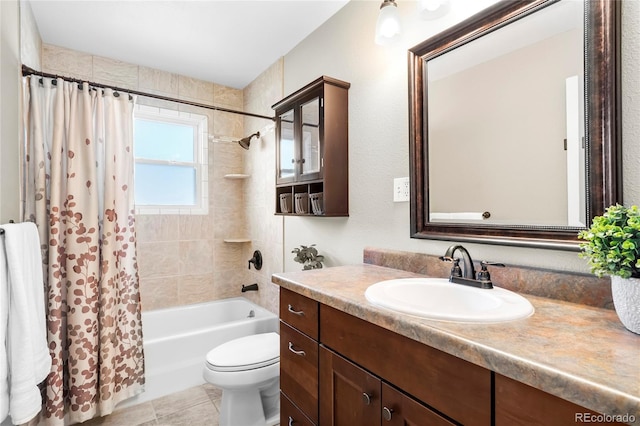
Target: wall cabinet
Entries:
(312, 150)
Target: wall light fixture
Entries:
(433, 9)
(388, 25)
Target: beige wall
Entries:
(30, 41)
(378, 153)
(182, 258)
(378, 134)
(517, 146)
(9, 111)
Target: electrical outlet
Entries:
(400, 190)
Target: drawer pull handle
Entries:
(291, 422)
(387, 413)
(293, 311)
(301, 353)
(366, 398)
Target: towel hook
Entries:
(2, 230)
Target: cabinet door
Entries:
(348, 394)
(520, 404)
(286, 150)
(310, 156)
(400, 410)
(452, 386)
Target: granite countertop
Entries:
(576, 352)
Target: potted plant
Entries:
(308, 256)
(612, 247)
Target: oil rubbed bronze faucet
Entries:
(467, 275)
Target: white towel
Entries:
(4, 318)
(457, 216)
(29, 359)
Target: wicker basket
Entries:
(317, 204)
(285, 203)
(302, 203)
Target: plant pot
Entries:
(626, 299)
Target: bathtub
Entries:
(176, 341)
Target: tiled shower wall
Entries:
(264, 227)
(182, 258)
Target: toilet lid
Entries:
(245, 353)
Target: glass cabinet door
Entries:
(286, 160)
(310, 156)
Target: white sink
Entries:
(437, 298)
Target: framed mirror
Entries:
(514, 124)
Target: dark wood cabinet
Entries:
(520, 404)
(400, 410)
(337, 369)
(452, 386)
(298, 359)
(290, 415)
(350, 395)
(312, 150)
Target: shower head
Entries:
(245, 142)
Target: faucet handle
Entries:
(483, 275)
(455, 269)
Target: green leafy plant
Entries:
(308, 256)
(612, 243)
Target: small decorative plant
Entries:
(308, 256)
(612, 243)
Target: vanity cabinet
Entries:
(298, 359)
(336, 369)
(350, 395)
(519, 404)
(457, 389)
(312, 150)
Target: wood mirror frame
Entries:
(602, 125)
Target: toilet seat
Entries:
(245, 353)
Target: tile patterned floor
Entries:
(198, 406)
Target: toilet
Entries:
(248, 372)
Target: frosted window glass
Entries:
(177, 185)
(163, 141)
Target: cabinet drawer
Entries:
(290, 415)
(299, 370)
(299, 312)
(453, 386)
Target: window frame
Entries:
(199, 122)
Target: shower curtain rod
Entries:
(30, 71)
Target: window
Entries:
(171, 160)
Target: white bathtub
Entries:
(176, 341)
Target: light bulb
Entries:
(432, 9)
(388, 25)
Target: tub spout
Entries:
(250, 287)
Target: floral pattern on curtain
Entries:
(79, 190)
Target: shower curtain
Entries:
(78, 174)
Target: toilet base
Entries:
(251, 407)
